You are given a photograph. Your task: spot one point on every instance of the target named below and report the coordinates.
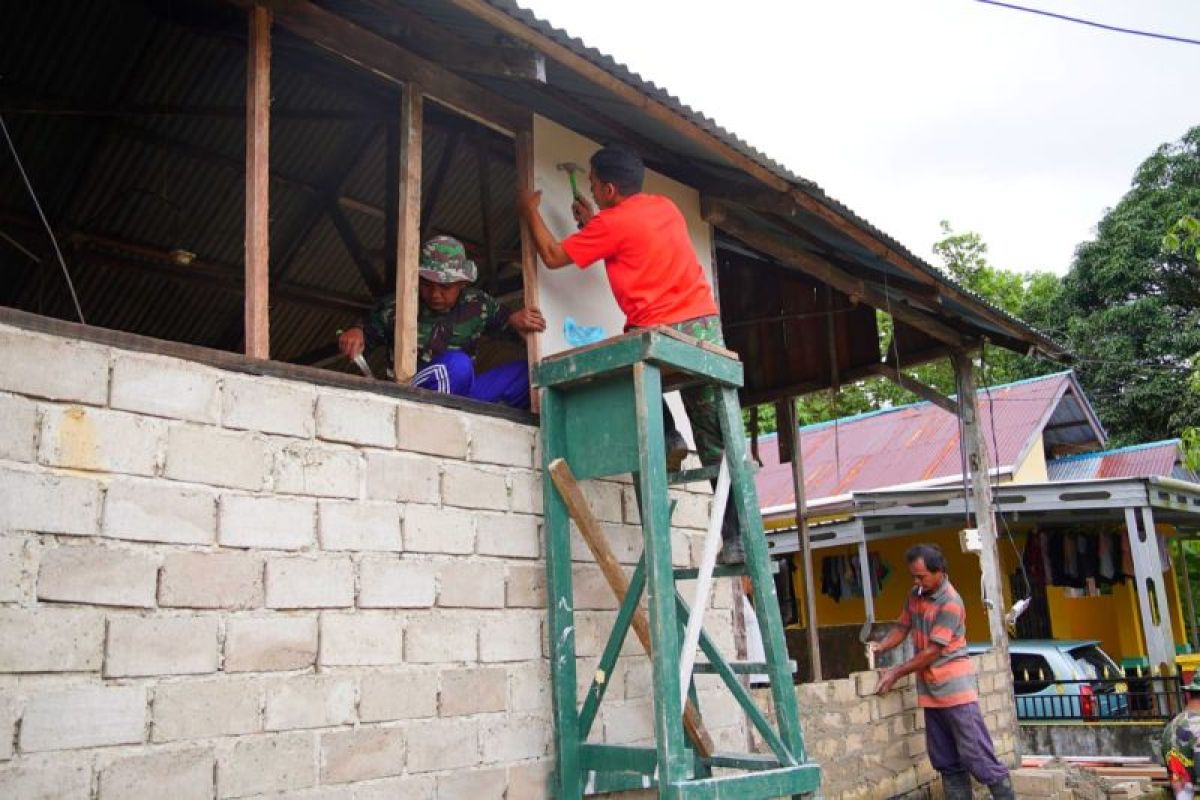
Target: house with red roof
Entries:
(879, 482)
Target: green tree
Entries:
(1132, 302)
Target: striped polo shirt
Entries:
(939, 617)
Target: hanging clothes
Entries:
(1107, 565)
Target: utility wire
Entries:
(1092, 23)
(53, 239)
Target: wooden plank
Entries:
(916, 387)
(258, 135)
(789, 423)
(529, 258)
(393, 63)
(593, 535)
(408, 234)
(718, 214)
(781, 782)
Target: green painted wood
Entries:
(612, 650)
(602, 783)
(568, 781)
(617, 355)
(766, 603)
(673, 354)
(693, 475)
(784, 781)
(618, 758)
(600, 437)
(660, 581)
(719, 571)
(748, 761)
(739, 667)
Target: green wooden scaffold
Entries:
(602, 415)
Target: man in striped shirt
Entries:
(956, 738)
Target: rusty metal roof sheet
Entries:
(1151, 460)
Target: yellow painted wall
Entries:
(1033, 468)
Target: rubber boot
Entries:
(957, 786)
(1002, 790)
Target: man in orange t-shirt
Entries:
(655, 277)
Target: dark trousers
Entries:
(958, 741)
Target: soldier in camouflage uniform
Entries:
(655, 278)
(1179, 743)
(452, 317)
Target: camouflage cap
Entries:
(444, 260)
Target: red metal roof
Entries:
(1157, 459)
(920, 442)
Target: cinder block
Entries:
(99, 440)
(211, 580)
(356, 419)
(525, 586)
(54, 368)
(526, 494)
(9, 714)
(362, 754)
(385, 696)
(18, 428)
(692, 511)
(479, 690)
(498, 441)
(441, 638)
(85, 717)
(395, 583)
(277, 523)
(413, 786)
(313, 701)
(165, 387)
(262, 764)
(477, 584)
(367, 639)
(531, 781)
(469, 486)
(205, 709)
(359, 526)
(326, 582)
(1038, 782)
(17, 566)
(592, 591)
(432, 430)
(511, 739)
(628, 722)
(99, 576)
(201, 454)
(160, 646)
(866, 683)
(261, 404)
(509, 535)
(318, 470)
(51, 640)
(403, 476)
(428, 529)
(529, 687)
(46, 779)
(267, 644)
(158, 511)
(177, 774)
(604, 498)
(443, 745)
(32, 501)
(479, 784)
(511, 637)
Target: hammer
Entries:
(570, 167)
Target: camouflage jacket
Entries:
(1179, 744)
(475, 314)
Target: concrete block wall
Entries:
(873, 746)
(220, 585)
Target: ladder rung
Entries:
(693, 475)
(739, 667)
(720, 571)
(749, 761)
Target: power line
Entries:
(1092, 23)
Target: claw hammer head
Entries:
(571, 168)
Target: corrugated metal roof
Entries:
(916, 443)
(1152, 460)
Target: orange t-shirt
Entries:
(648, 255)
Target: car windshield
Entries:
(1092, 663)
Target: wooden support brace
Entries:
(408, 234)
(258, 135)
(593, 535)
(913, 385)
(529, 271)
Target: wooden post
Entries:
(1186, 577)
(258, 135)
(981, 494)
(529, 275)
(408, 234)
(789, 423)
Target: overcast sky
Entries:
(1020, 127)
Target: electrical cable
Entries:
(1091, 23)
(53, 239)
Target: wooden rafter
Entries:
(258, 134)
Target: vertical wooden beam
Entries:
(789, 426)
(408, 233)
(529, 274)
(978, 467)
(258, 134)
